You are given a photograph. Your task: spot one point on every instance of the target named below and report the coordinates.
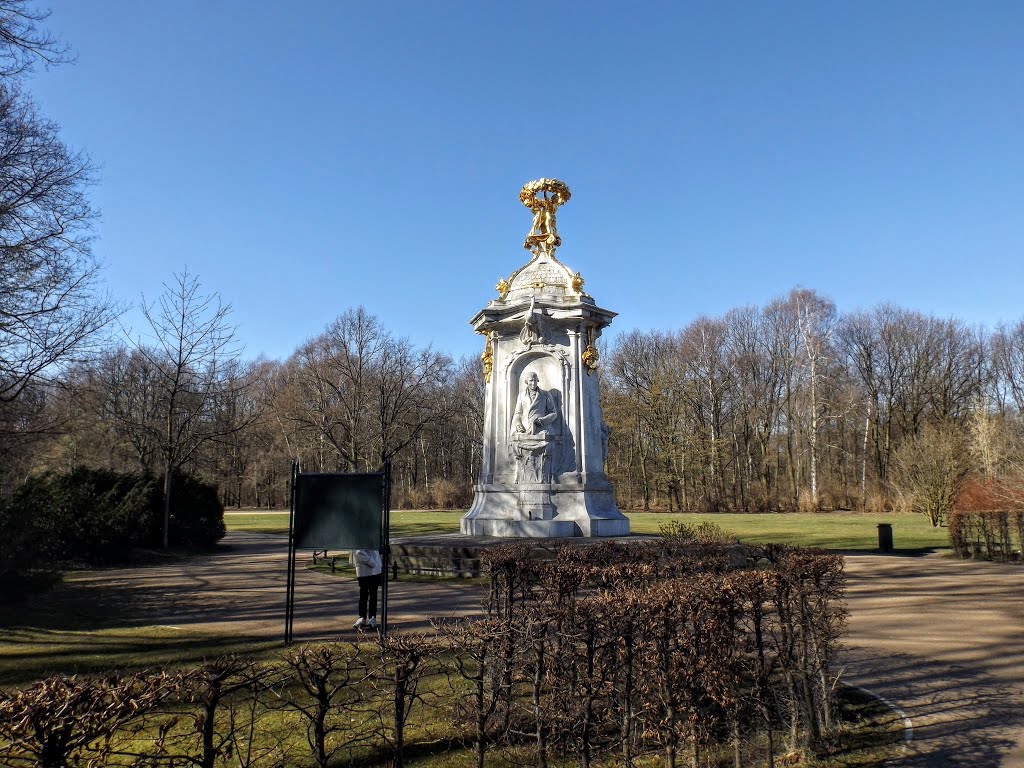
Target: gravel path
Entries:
(939, 638)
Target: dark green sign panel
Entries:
(338, 511)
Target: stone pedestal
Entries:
(544, 442)
(536, 505)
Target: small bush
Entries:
(806, 502)
(759, 502)
(450, 494)
(65, 721)
(711, 505)
(988, 514)
(878, 504)
(829, 500)
(676, 530)
(981, 495)
(702, 533)
(417, 497)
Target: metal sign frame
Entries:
(385, 540)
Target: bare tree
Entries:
(1008, 364)
(118, 400)
(929, 470)
(646, 385)
(238, 413)
(911, 368)
(709, 383)
(194, 361)
(753, 355)
(328, 685)
(51, 309)
(407, 385)
(784, 333)
(331, 376)
(23, 42)
(50, 305)
(816, 318)
(405, 660)
(860, 341)
(363, 392)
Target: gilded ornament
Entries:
(543, 197)
(590, 356)
(487, 358)
(502, 288)
(577, 283)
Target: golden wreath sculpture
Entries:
(558, 191)
(543, 197)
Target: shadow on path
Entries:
(238, 591)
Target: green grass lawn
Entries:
(847, 531)
(30, 653)
(404, 522)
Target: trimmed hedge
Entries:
(605, 654)
(986, 534)
(97, 516)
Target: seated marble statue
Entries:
(534, 427)
(536, 411)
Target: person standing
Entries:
(369, 570)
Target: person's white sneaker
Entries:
(372, 623)
(360, 623)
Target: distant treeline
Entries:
(792, 405)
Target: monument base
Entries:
(544, 511)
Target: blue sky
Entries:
(307, 157)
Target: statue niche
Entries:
(535, 432)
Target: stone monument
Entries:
(544, 442)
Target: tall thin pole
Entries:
(289, 600)
(385, 537)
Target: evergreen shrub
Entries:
(197, 515)
(98, 516)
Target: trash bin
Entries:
(885, 537)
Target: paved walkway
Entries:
(239, 591)
(942, 639)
